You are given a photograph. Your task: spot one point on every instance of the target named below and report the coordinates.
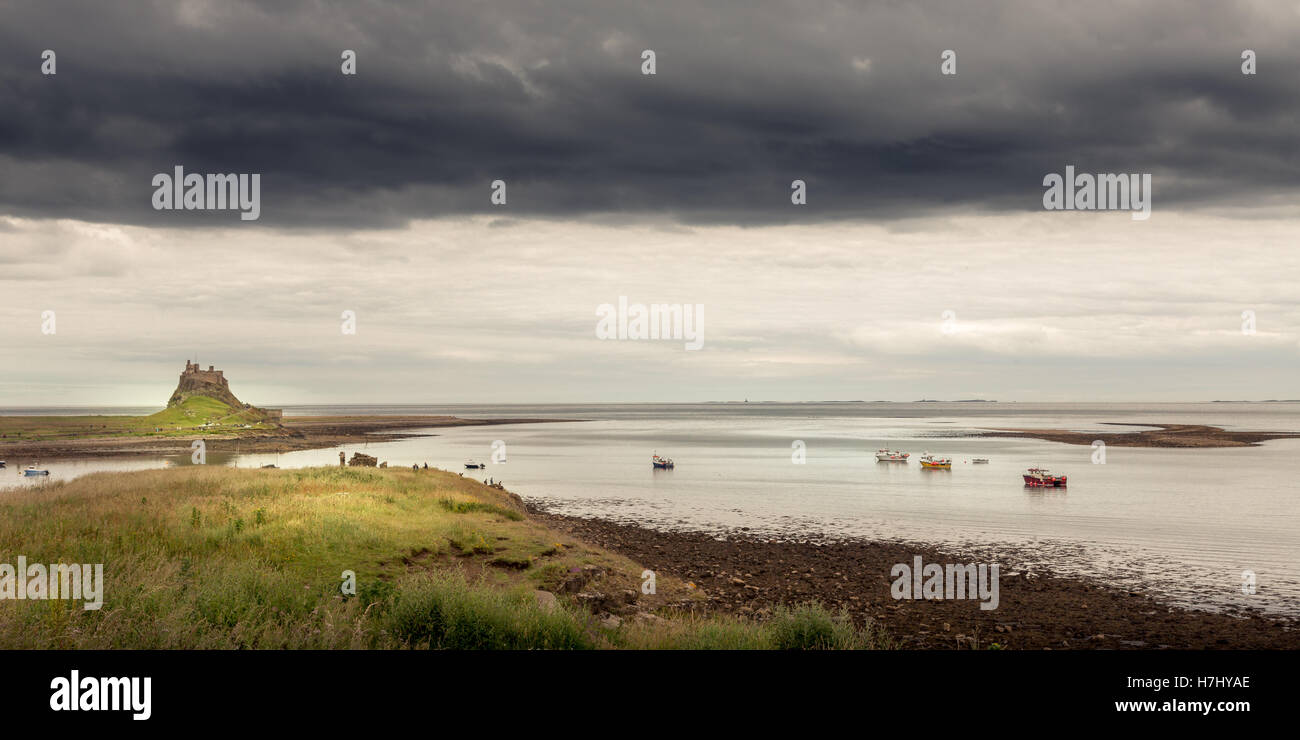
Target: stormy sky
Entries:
(924, 196)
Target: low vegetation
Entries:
(195, 413)
(213, 557)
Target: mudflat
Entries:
(1164, 435)
(749, 576)
(34, 437)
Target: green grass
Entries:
(214, 557)
(181, 420)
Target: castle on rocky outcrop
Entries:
(211, 383)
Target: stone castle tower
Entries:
(197, 382)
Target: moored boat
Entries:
(1042, 477)
(471, 465)
(936, 463)
(32, 471)
(663, 463)
(980, 461)
(891, 456)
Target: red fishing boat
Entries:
(1042, 477)
(663, 463)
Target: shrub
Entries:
(465, 507)
(444, 612)
(813, 627)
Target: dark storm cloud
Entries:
(549, 97)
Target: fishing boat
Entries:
(1042, 477)
(936, 463)
(32, 471)
(471, 465)
(980, 461)
(663, 463)
(891, 456)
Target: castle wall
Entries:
(193, 373)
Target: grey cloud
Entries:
(548, 96)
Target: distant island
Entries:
(204, 407)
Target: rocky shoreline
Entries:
(747, 576)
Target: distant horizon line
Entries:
(647, 403)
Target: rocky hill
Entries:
(207, 394)
(210, 383)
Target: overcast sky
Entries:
(924, 197)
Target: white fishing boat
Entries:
(660, 462)
(891, 456)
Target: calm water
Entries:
(1184, 523)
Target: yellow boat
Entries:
(937, 463)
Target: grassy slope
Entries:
(179, 420)
(200, 557)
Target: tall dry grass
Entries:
(215, 557)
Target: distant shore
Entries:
(1165, 435)
(297, 433)
(750, 576)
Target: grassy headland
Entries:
(214, 557)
